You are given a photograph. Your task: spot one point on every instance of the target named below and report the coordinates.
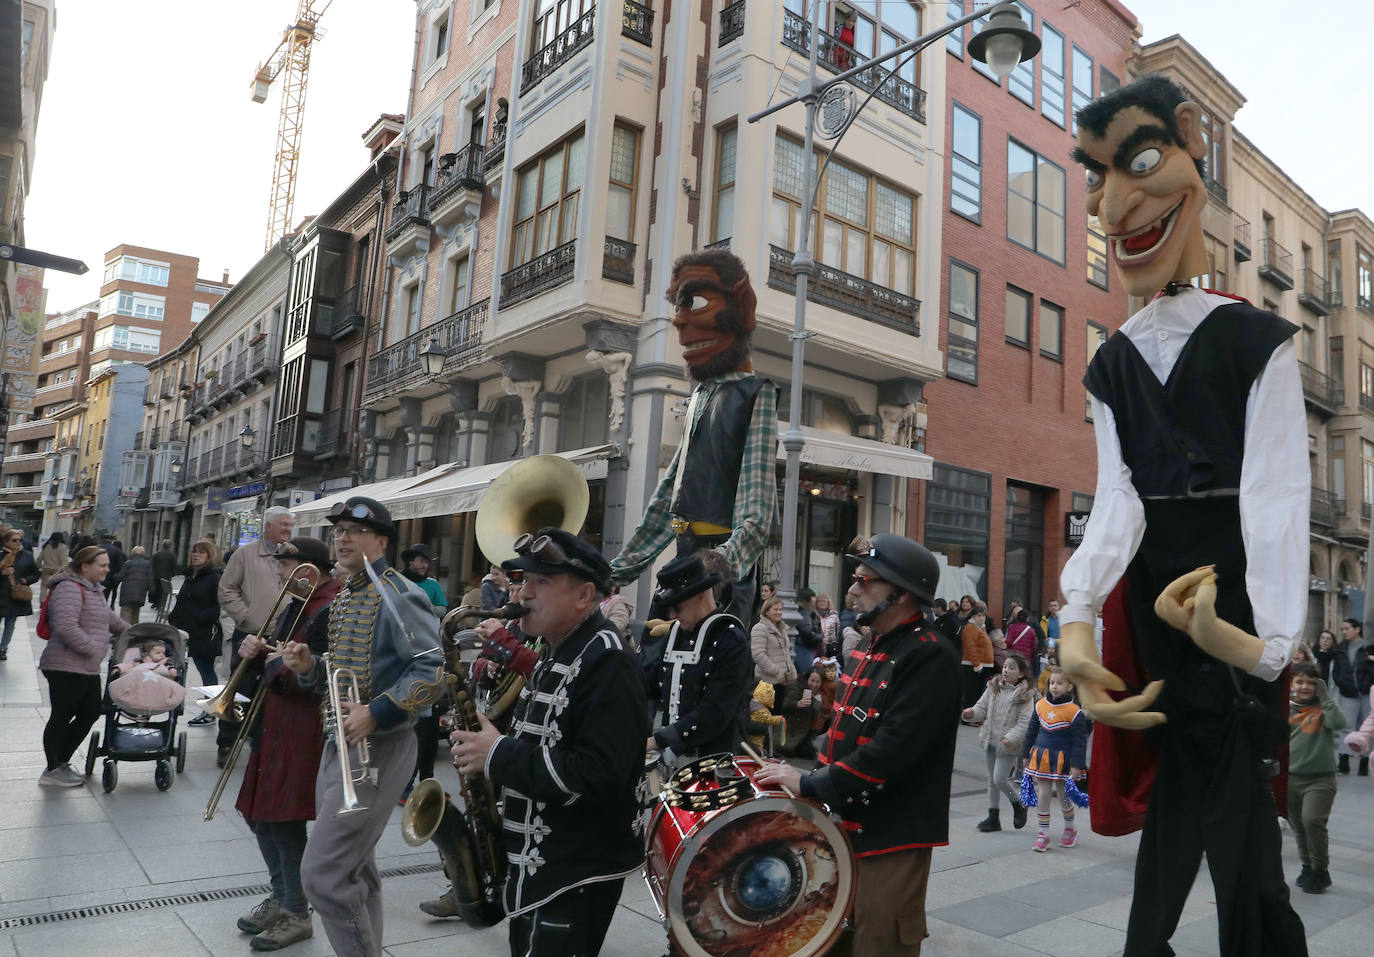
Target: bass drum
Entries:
(739, 869)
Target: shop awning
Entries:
(445, 490)
(834, 450)
(79, 510)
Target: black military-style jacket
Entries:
(889, 755)
(702, 687)
(569, 768)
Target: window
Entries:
(24, 46)
(1338, 468)
(438, 35)
(1097, 253)
(1336, 366)
(413, 297)
(1052, 73)
(961, 351)
(1334, 274)
(977, 25)
(966, 165)
(552, 17)
(586, 418)
(1107, 81)
(1308, 344)
(726, 143)
(1215, 277)
(1051, 331)
(954, 42)
(1022, 79)
(458, 284)
(620, 195)
(137, 270)
(1035, 202)
(1366, 377)
(958, 513)
(1214, 136)
(199, 310)
(139, 305)
(1023, 559)
(129, 339)
(1097, 337)
(1018, 316)
(548, 195)
(863, 226)
(1364, 278)
(1082, 83)
(1368, 448)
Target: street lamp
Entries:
(247, 436)
(176, 467)
(433, 358)
(1002, 45)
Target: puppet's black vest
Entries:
(1185, 438)
(710, 476)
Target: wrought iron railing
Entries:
(460, 335)
(731, 22)
(496, 148)
(1323, 512)
(1242, 240)
(637, 22)
(850, 293)
(240, 368)
(558, 50)
(460, 170)
(1313, 294)
(411, 208)
(263, 356)
(138, 442)
(1277, 265)
(541, 273)
(618, 261)
(1366, 402)
(1364, 511)
(338, 432)
(1319, 387)
(1216, 189)
(839, 57)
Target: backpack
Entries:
(43, 629)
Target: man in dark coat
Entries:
(164, 569)
(889, 754)
(702, 684)
(117, 560)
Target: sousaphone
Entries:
(538, 492)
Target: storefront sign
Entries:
(1075, 524)
(243, 491)
(214, 500)
(834, 450)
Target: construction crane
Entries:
(291, 61)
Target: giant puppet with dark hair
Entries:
(1197, 543)
(719, 490)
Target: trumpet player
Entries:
(569, 769)
(383, 633)
(278, 792)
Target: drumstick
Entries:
(755, 755)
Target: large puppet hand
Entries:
(1079, 659)
(1189, 604)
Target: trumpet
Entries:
(343, 687)
(302, 584)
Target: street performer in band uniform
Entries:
(719, 490)
(1201, 461)
(278, 792)
(702, 685)
(569, 770)
(381, 628)
(889, 754)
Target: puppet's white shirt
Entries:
(1275, 487)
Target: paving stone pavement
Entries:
(62, 850)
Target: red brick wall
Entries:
(1024, 420)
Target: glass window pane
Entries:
(882, 263)
(901, 271)
(831, 243)
(551, 186)
(963, 292)
(893, 213)
(544, 230)
(725, 213)
(570, 209)
(577, 157)
(901, 15)
(618, 212)
(1051, 329)
(856, 248)
(728, 140)
(1052, 73)
(1018, 315)
(623, 155)
(1050, 234)
(780, 224)
(787, 167)
(1050, 183)
(968, 135)
(846, 193)
(1021, 220)
(863, 37)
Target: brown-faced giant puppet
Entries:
(1197, 544)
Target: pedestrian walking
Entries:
(197, 613)
(164, 568)
(1352, 672)
(1055, 750)
(18, 572)
(1004, 710)
(1313, 719)
(52, 558)
(137, 585)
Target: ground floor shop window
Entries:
(958, 518)
(1023, 562)
(827, 522)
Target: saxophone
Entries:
(469, 843)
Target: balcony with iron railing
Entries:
(637, 22)
(1277, 263)
(618, 260)
(848, 293)
(1366, 403)
(496, 151)
(344, 317)
(539, 275)
(458, 187)
(149, 395)
(731, 22)
(1241, 242)
(460, 336)
(1365, 510)
(20, 494)
(338, 434)
(409, 229)
(1335, 298)
(263, 358)
(1313, 294)
(1216, 189)
(559, 50)
(1323, 510)
(838, 57)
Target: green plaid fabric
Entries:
(755, 502)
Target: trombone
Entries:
(305, 576)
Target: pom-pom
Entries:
(1073, 794)
(1028, 790)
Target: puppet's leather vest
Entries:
(711, 472)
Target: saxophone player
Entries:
(383, 631)
(569, 768)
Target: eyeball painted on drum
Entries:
(763, 884)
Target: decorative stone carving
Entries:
(899, 424)
(528, 391)
(616, 365)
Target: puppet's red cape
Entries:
(1124, 762)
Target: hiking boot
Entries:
(992, 822)
(1070, 837)
(1318, 882)
(1304, 876)
(288, 929)
(1018, 815)
(1042, 842)
(446, 906)
(261, 917)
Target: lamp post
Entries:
(1002, 45)
(433, 358)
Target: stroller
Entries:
(133, 734)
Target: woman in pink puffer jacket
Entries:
(81, 625)
(1360, 742)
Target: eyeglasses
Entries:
(547, 550)
(351, 531)
(864, 581)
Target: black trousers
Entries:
(573, 924)
(427, 734)
(75, 706)
(228, 731)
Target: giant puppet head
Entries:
(714, 312)
(1143, 148)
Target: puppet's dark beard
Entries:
(727, 361)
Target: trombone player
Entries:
(278, 792)
(382, 632)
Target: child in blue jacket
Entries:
(1055, 749)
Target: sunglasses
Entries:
(864, 580)
(547, 550)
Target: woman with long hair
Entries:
(81, 625)
(52, 558)
(197, 613)
(18, 572)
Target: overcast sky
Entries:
(148, 135)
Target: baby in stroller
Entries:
(143, 701)
(146, 683)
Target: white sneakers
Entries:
(63, 777)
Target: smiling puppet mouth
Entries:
(1148, 239)
(699, 345)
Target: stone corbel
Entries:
(616, 365)
(462, 396)
(899, 424)
(410, 415)
(528, 390)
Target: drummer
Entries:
(888, 757)
(702, 685)
(569, 769)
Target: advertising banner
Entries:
(23, 344)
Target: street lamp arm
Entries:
(914, 46)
